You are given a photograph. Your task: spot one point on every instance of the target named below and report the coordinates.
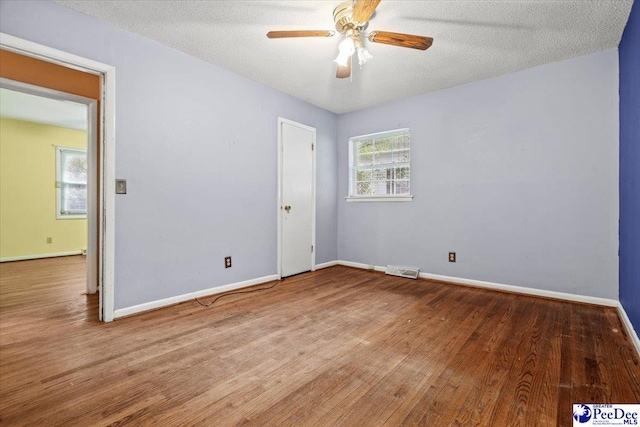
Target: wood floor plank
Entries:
(338, 346)
(412, 344)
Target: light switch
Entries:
(121, 186)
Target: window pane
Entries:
(402, 173)
(365, 146)
(401, 142)
(402, 187)
(382, 188)
(401, 155)
(384, 144)
(383, 151)
(364, 175)
(379, 174)
(74, 198)
(363, 188)
(383, 158)
(380, 181)
(365, 159)
(401, 149)
(74, 168)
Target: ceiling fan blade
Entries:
(303, 33)
(402, 40)
(344, 71)
(364, 9)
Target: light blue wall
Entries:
(518, 174)
(630, 167)
(197, 145)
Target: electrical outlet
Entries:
(227, 262)
(49, 239)
(452, 257)
(121, 186)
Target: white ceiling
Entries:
(32, 108)
(473, 40)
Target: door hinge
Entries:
(312, 147)
(311, 248)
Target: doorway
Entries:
(33, 64)
(49, 175)
(296, 198)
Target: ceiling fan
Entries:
(352, 19)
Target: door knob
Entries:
(287, 208)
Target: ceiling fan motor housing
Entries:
(343, 17)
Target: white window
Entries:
(71, 183)
(379, 167)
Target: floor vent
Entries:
(408, 272)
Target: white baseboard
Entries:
(39, 256)
(499, 286)
(326, 264)
(523, 290)
(152, 305)
(361, 265)
(630, 329)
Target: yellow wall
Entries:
(28, 193)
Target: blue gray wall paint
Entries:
(197, 145)
(629, 51)
(518, 174)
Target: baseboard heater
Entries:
(408, 272)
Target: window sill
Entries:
(70, 216)
(406, 198)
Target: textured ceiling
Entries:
(33, 108)
(473, 40)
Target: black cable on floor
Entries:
(238, 292)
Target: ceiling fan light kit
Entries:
(351, 19)
(346, 48)
(363, 54)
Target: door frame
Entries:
(92, 150)
(106, 144)
(280, 208)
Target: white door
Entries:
(296, 202)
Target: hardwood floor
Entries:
(339, 346)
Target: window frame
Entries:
(59, 213)
(352, 168)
